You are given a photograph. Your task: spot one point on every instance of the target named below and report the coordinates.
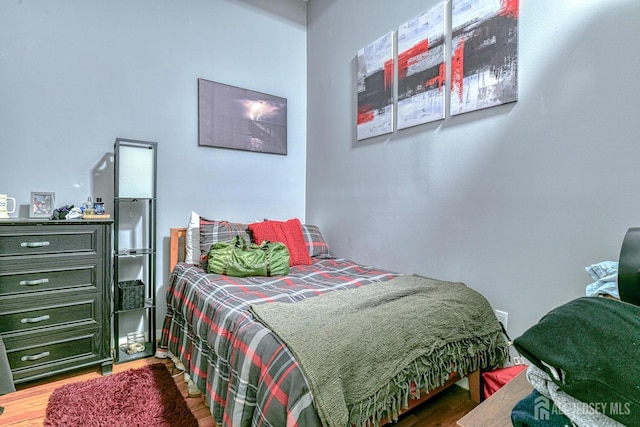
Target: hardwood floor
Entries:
(26, 407)
(443, 410)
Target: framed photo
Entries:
(42, 204)
(241, 119)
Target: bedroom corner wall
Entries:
(514, 200)
(75, 75)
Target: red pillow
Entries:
(287, 232)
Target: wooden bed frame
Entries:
(177, 246)
(177, 251)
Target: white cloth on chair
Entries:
(605, 276)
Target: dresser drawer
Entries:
(27, 277)
(84, 310)
(36, 355)
(39, 240)
(55, 296)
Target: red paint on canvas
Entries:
(405, 57)
(388, 74)
(365, 114)
(457, 70)
(509, 8)
(439, 79)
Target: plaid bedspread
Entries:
(247, 375)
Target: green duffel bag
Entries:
(239, 259)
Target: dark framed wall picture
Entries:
(241, 119)
(42, 204)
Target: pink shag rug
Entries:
(146, 396)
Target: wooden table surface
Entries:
(496, 410)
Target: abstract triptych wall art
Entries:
(375, 88)
(482, 57)
(484, 54)
(421, 69)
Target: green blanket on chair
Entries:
(361, 349)
(590, 348)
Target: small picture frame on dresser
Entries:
(42, 204)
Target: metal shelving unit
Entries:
(134, 249)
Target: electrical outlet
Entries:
(503, 317)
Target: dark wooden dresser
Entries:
(55, 299)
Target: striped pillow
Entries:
(316, 244)
(212, 231)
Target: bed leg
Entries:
(474, 386)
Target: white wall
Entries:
(75, 75)
(514, 200)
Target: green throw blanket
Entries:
(361, 349)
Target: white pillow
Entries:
(192, 244)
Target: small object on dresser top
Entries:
(88, 205)
(74, 213)
(98, 206)
(94, 216)
(61, 212)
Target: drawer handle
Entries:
(35, 356)
(35, 319)
(34, 244)
(33, 282)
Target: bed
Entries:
(249, 376)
